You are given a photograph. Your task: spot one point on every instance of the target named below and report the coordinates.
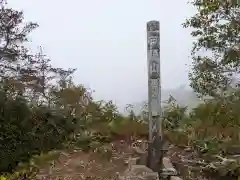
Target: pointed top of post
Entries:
(153, 25)
(153, 21)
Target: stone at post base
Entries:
(143, 159)
(139, 172)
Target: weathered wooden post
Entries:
(154, 97)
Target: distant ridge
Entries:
(184, 97)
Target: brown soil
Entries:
(78, 165)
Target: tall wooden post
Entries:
(154, 96)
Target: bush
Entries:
(30, 169)
(26, 131)
(212, 131)
(126, 127)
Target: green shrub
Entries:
(212, 131)
(26, 131)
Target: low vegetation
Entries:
(211, 129)
(42, 111)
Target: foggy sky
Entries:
(106, 41)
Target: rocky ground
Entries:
(106, 162)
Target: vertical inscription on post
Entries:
(153, 38)
(154, 95)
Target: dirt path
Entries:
(107, 163)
